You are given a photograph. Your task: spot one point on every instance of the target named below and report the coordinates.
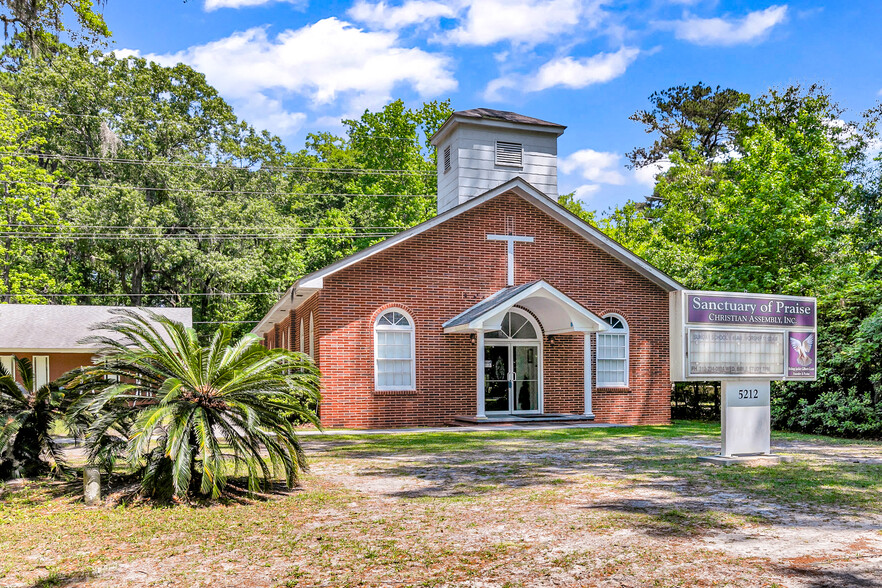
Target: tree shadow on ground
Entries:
(813, 578)
(834, 491)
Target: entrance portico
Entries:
(509, 358)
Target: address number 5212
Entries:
(745, 394)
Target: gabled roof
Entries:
(500, 119)
(491, 302)
(504, 115)
(60, 328)
(312, 283)
(558, 312)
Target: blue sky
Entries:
(297, 66)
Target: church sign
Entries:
(739, 309)
(744, 341)
(733, 335)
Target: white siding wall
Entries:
(473, 163)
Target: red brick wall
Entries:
(441, 272)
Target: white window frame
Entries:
(312, 336)
(412, 330)
(302, 337)
(9, 364)
(626, 331)
(44, 369)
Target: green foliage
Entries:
(786, 204)
(27, 414)
(395, 138)
(694, 121)
(30, 258)
(194, 213)
(570, 202)
(193, 414)
(37, 22)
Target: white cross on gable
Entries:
(511, 239)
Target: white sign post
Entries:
(744, 341)
(746, 417)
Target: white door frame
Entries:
(484, 341)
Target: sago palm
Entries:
(193, 414)
(28, 413)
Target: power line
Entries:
(110, 115)
(169, 163)
(154, 294)
(224, 322)
(189, 227)
(206, 191)
(187, 237)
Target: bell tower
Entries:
(481, 148)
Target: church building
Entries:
(503, 307)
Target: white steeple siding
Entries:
(483, 146)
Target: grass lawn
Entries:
(568, 507)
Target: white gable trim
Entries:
(311, 283)
(581, 320)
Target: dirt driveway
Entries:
(554, 508)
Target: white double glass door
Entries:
(511, 378)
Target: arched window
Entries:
(394, 363)
(311, 336)
(515, 326)
(612, 353)
(302, 344)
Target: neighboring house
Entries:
(50, 335)
(504, 306)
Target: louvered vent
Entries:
(509, 153)
(447, 159)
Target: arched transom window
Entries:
(514, 326)
(394, 362)
(612, 353)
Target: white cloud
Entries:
(567, 72)
(601, 167)
(326, 62)
(486, 22)
(586, 191)
(719, 31)
(263, 112)
(215, 4)
(646, 175)
(384, 16)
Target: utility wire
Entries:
(187, 237)
(224, 322)
(190, 227)
(207, 191)
(172, 163)
(152, 295)
(110, 116)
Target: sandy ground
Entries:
(610, 512)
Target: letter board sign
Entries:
(732, 335)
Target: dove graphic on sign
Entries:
(803, 349)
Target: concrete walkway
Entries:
(468, 429)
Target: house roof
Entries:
(504, 115)
(502, 119)
(558, 312)
(309, 284)
(59, 328)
